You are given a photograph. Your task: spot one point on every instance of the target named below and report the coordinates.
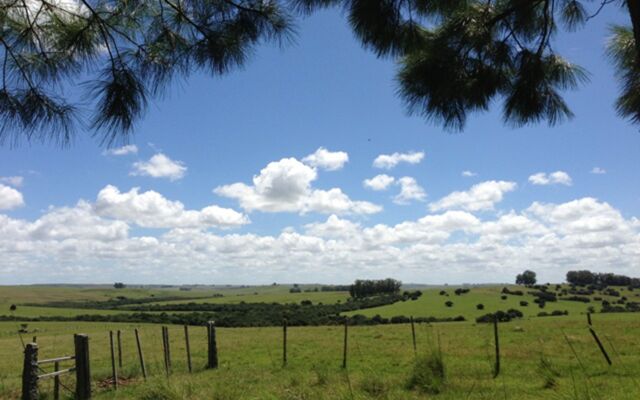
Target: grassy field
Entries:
(432, 304)
(380, 362)
(537, 360)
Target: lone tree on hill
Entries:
(526, 278)
(455, 56)
(119, 285)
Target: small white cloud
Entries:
(388, 161)
(598, 171)
(378, 182)
(10, 198)
(160, 166)
(482, 196)
(15, 181)
(121, 151)
(554, 178)
(469, 174)
(325, 159)
(409, 191)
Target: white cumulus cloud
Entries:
(482, 196)
(469, 174)
(160, 166)
(379, 182)
(286, 186)
(10, 198)
(409, 191)
(388, 161)
(152, 210)
(554, 178)
(598, 171)
(325, 159)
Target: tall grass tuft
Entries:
(374, 385)
(548, 372)
(428, 374)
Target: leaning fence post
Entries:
(413, 336)
(344, 349)
(140, 356)
(496, 371)
(604, 352)
(83, 370)
(30, 372)
(589, 318)
(213, 347)
(114, 370)
(187, 346)
(284, 342)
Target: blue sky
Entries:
(326, 92)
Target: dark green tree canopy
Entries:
(455, 56)
(528, 277)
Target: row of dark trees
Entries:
(367, 288)
(585, 277)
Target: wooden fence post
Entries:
(30, 372)
(344, 349)
(496, 371)
(187, 346)
(166, 350)
(589, 318)
(213, 347)
(284, 342)
(83, 370)
(604, 352)
(56, 381)
(413, 336)
(119, 350)
(114, 370)
(140, 356)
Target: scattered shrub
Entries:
(480, 306)
(448, 303)
(503, 297)
(524, 303)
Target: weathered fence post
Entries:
(496, 371)
(83, 370)
(413, 336)
(213, 347)
(56, 381)
(604, 352)
(30, 372)
(114, 370)
(119, 350)
(140, 356)
(187, 346)
(284, 342)
(344, 349)
(589, 318)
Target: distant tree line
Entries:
(585, 278)
(366, 288)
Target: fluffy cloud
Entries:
(451, 246)
(325, 159)
(160, 166)
(379, 182)
(285, 186)
(10, 198)
(558, 177)
(388, 161)
(469, 174)
(151, 210)
(598, 171)
(482, 196)
(409, 191)
(122, 151)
